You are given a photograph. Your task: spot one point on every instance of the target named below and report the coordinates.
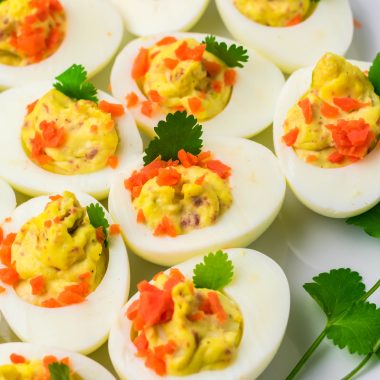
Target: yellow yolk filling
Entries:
(188, 205)
(343, 106)
(30, 30)
(69, 137)
(59, 245)
(197, 86)
(277, 13)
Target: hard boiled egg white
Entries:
(83, 366)
(146, 17)
(21, 172)
(258, 189)
(249, 110)
(88, 41)
(261, 291)
(328, 29)
(7, 200)
(337, 192)
(81, 327)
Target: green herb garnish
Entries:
(215, 272)
(178, 131)
(352, 321)
(374, 74)
(73, 83)
(232, 56)
(98, 219)
(59, 371)
(369, 221)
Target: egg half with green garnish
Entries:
(66, 292)
(7, 200)
(232, 91)
(292, 34)
(258, 297)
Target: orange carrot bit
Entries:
(85, 276)
(55, 197)
(184, 159)
(168, 177)
(166, 41)
(133, 310)
(156, 363)
(38, 154)
(197, 316)
(184, 53)
(290, 138)
(165, 227)
(195, 104)
(113, 161)
(30, 107)
(336, 158)
(170, 63)
(57, 219)
(68, 297)
(53, 136)
(349, 104)
(216, 85)
(9, 239)
(140, 64)
(357, 24)
(51, 303)
(6, 255)
(311, 158)
(66, 360)
(17, 359)
(141, 344)
(38, 285)
(49, 359)
(132, 99)
(9, 276)
(200, 180)
(140, 217)
(179, 108)
(203, 157)
(154, 96)
(222, 170)
(114, 229)
(217, 307)
(147, 108)
(328, 111)
(230, 77)
(295, 20)
(1, 235)
(212, 68)
(175, 277)
(114, 109)
(307, 110)
(2, 289)
(48, 223)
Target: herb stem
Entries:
(371, 291)
(359, 367)
(307, 355)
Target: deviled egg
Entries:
(7, 200)
(232, 90)
(39, 39)
(148, 17)
(64, 277)
(32, 361)
(61, 136)
(326, 130)
(227, 323)
(292, 34)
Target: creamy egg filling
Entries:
(182, 75)
(68, 137)
(30, 30)
(189, 331)
(336, 123)
(57, 257)
(277, 13)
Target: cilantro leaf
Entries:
(336, 291)
(215, 272)
(178, 131)
(73, 83)
(59, 371)
(374, 74)
(358, 329)
(232, 56)
(369, 220)
(98, 218)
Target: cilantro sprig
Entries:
(59, 371)
(215, 272)
(369, 221)
(73, 83)
(232, 56)
(352, 321)
(178, 131)
(98, 219)
(374, 74)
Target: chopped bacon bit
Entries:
(170, 63)
(197, 316)
(6, 249)
(154, 54)
(53, 136)
(114, 109)
(295, 20)
(184, 53)
(217, 307)
(230, 77)
(357, 24)
(349, 104)
(195, 104)
(113, 162)
(1, 235)
(66, 361)
(212, 68)
(141, 344)
(155, 363)
(203, 157)
(30, 107)
(38, 285)
(49, 359)
(55, 197)
(307, 110)
(67, 297)
(175, 277)
(85, 276)
(57, 219)
(114, 229)
(147, 108)
(166, 41)
(184, 158)
(216, 85)
(51, 303)
(165, 227)
(154, 96)
(140, 64)
(168, 177)
(290, 138)
(132, 99)
(180, 108)
(133, 310)
(140, 216)
(336, 158)
(9, 276)
(222, 170)
(100, 236)
(328, 111)
(311, 158)
(17, 359)
(82, 288)
(200, 180)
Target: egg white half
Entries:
(328, 29)
(146, 17)
(258, 189)
(27, 177)
(261, 291)
(93, 34)
(7, 200)
(82, 327)
(337, 192)
(249, 110)
(83, 366)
